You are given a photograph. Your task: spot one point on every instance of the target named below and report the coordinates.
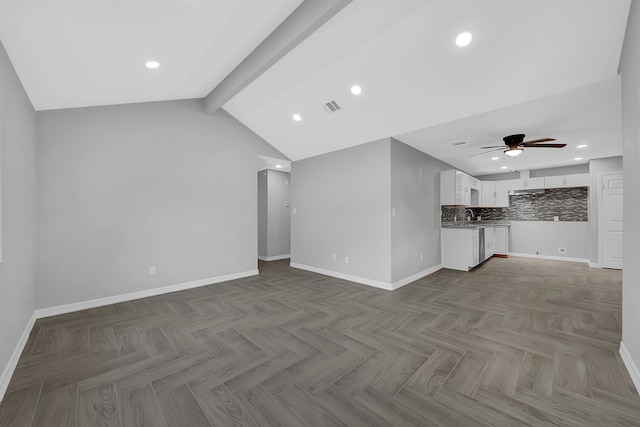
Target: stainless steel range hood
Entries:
(526, 191)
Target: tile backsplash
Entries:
(569, 204)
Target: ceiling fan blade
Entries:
(546, 146)
(533, 141)
(485, 152)
(494, 146)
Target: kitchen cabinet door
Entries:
(502, 194)
(577, 180)
(526, 183)
(473, 183)
(489, 242)
(460, 248)
(488, 194)
(531, 183)
(554, 181)
(454, 188)
(565, 181)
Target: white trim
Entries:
(364, 281)
(594, 265)
(273, 258)
(369, 282)
(414, 277)
(83, 305)
(5, 378)
(600, 207)
(551, 257)
(634, 372)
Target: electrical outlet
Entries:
(393, 211)
(333, 256)
(562, 250)
(421, 257)
(346, 260)
(152, 270)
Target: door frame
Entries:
(601, 176)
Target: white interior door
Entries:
(612, 220)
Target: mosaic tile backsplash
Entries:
(570, 204)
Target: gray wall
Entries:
(122, 188)
(499, 176)
(415, 195)
(18, 209)
(546, 237)
(343, 206)
(596, 167)
(279, 224)
(630, 65)
(263, 217)
(561, 170)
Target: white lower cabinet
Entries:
(460, 248)
(489, 242)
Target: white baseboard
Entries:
(550, 257)
(414, 277)
(273, 258)
(5, 378)
(634, 372)
(594, 264)
(370, 282)
(83, 305)
(364, 281)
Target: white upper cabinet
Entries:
(526, 183)
(488, 194)
(454, 188)
(474, 183)
(565, 181)
(502, 194)
(495, 194)
(459, 188)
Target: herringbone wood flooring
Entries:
(515, 342)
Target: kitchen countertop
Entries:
(474, 224)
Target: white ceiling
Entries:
(417, 85)
(589, 115)
(78, 53)
(413, 75)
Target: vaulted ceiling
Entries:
(545, 68)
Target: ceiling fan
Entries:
(516, 144)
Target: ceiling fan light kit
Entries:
(516, 144)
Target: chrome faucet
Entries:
(464, 215)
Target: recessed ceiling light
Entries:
(297, 117)
(578, 158)
(463, 39)
(495, 158)
(504, 167)
(582, 146)
(356, 90)
(152, 64)
(279, 166)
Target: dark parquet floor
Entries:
(515, 342)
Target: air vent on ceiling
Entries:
(331, 107)
(461, 143)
